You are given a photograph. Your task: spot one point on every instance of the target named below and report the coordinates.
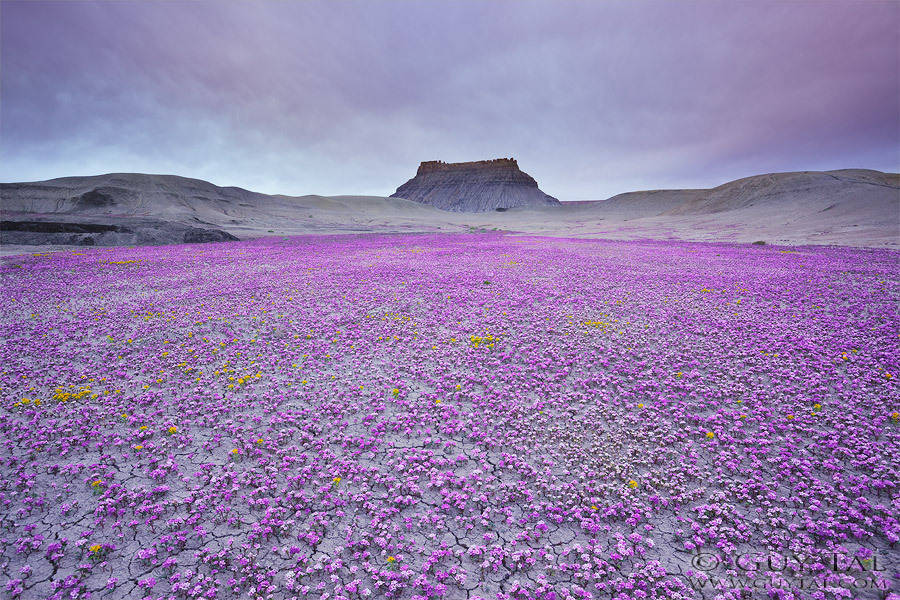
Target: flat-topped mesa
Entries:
(475, 186)
(428, 166)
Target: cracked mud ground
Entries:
(449, 416)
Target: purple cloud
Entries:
(593, 99)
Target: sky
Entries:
(347, 97)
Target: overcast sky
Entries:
(592, 98)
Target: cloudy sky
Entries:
(347, 97)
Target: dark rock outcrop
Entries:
(57, 227)
(478, 186)
(196, 235)
(105, 231)
(99, 198)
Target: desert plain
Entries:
(450, 415)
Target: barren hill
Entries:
(853, 207)
(143, 209)
(477, 186)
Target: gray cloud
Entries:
(347, 97)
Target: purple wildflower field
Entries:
(450, 416)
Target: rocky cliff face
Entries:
(477, 186)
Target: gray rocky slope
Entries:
(478, 186)
(855, 207)
(117, 209)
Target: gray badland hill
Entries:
(142, 209)
(854, 207)
(477, 186)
